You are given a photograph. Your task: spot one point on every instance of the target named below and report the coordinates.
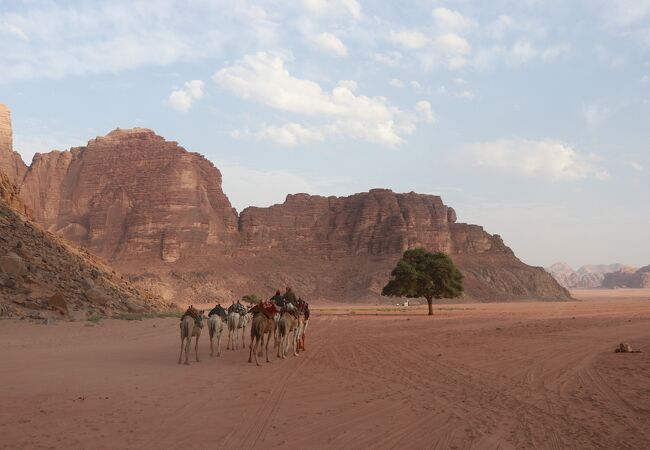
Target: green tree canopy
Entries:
(422, 274)
(251, 298)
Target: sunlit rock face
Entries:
(150, 206)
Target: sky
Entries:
(529, 117)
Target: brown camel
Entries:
(191, 325)
(261, 326)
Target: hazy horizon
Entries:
(526, 117)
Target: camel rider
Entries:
(290, 297)
(278, 299)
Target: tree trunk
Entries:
(430, 302)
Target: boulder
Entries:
(12, 264)
(97, 296)
(58, 303)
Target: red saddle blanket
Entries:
(268, 308)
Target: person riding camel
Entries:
(290, 297)
(278, 299)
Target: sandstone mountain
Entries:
(586, 277)
(42, 275)
(628, 278)
(158, 213)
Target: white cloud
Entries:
(182, 99)
(465, 94)
(451, 20)
(547, 159)
(43, 40)
(645, 78)
(243, 185)
(334, 7)
(331, 44)
(42, 142)
(555, 52)
(396, 83)
(290, 134)
(265, 79)
(595, 116)
(416, 85)
(449, 49)
(410, 39)
(390, 58)
(423, 108)
(636, 166)
(626, 12)
(523, 52)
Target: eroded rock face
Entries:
(132, 194)
(628, 278)
(586, 277)
(148, 205)
(40, 271)
(379, 222)
(10, 162)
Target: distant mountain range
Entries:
(588, 276)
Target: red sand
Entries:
(474, 376)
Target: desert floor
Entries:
(520, 375)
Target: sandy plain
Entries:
(503, 375)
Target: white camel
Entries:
(243, 322)
(215, 327)
(233, 324)
(288, 323)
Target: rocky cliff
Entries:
(42, 275)
(10, 162)
(628, 278)
(131, 194)
(158, 212)
(586, 277)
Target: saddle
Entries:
(268, 308)
(194, 314)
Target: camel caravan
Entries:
(282, 319)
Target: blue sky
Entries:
(530, 117)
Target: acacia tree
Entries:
(423, 274)
(251, 299)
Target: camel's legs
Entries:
(180, 357)
(188, 342)
(295, 340)
(254, 349)
(250, 353)
(268, 338)
(219, 343)
(196, 348)
(261, 345)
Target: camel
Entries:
(301, 339)
(215, 327)
(235, 322)
(288, 323)
(191, 325)
(261, 326)
(243, 321)
(233, 325)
